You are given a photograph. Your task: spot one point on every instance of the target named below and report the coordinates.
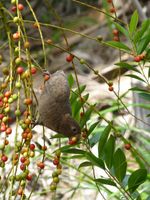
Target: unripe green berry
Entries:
(16, 19)
(18, 113)
(5, 71)
(7, 110)
(13, 1)
(54, 174)
(18, 61)
(10, 100)
(5, 119)
(18, 85)
(15, 97)
(82, 61)
(16, 50)
(56, 180)
(53, 187)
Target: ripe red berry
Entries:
(112, 10)
(3, 128)
(115, 32)
(137, 58)
(22, 167)
(13, 8)
(33, 70)
(127, 146)
(116, 38)
(22, 159)
(46, 77)
(41, 165)
(20, 70)
(32, 147)
(69, 58)
(28, 101)
(109, 1)
(110, 88)
(29, 177)
(8, 131)
(1, 116)
(55, 161)
(7, 94)
(4, 158)
(20, 7)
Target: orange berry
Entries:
(46, 77)
(28, 101)
(20, 7)
(16, 36)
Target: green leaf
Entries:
(122, 29)
(102, 181)
(143, 43)
(103, 140)
(133, 22)
(127, 66)
(94, 160)
(109, 151)
(120, 164)
(142, 30)
(118, 45)
(73, 151)
(135, 77)
(70, 80)
(136, 178)
(85, 164)
(85, 117)
(92, 127)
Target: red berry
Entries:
(55, 161)
(69, 58)
(28, 101)
(7, 94)
(112, 10)
(29, 177)
(20, 7)
(109, 1)
(1, 116)
(3, 128)
(4, 158)
(110, 88)
(14, 9)
(116, 38)
(22, 167)
(127, 146)
(22, 159)
(46, 77)
(32, 147)
(137, 59)
(20, 70)
(115, 32)
(1, 103)
(33, 70)
(8, 131)
(41, 165)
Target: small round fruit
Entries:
(18, 61)
(29, 177)
(27, 45)
(4, 158)
(13, 8)
(82, 61)
(20, 7)
(15, 97)
(69, 58)
(116, 38)
(22, 167)
(127, 146)
(137, 58)
(115, 32)
(16, 36)
(20, 70)
(41, 165)
(18, 85)
(112, 10)
(33, 70)
(5, 71)
(53, 187)
(56, 161)
(22, 159)
(28, 101)
(8, 131)
(7, 94)
(16, 19)
(46, 77)
(56, 180)
(111, 88)
(10, 100)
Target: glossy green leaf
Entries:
(102, 181)
(94, 160)
(103, 140)
(85, 164)
(118, 45)
(92, 127)
(143, 43)
(109, 151)
(136, 178)
(127, 66)
(73, 151)
(136, 77)
(119, 164)
(133, 22)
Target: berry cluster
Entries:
(57, 172)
